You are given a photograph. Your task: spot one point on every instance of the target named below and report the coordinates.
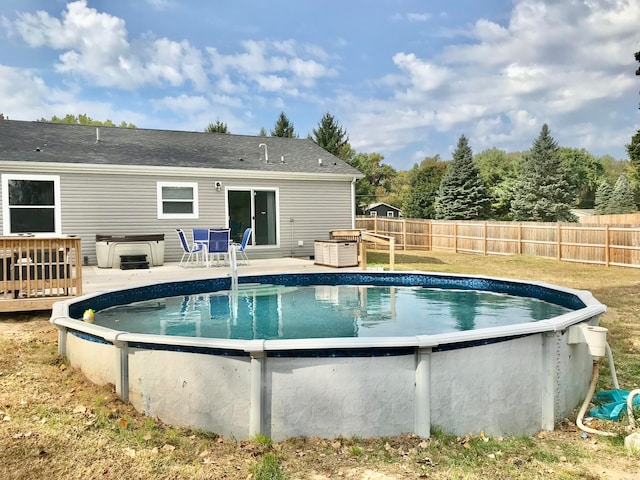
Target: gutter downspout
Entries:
(353, 203)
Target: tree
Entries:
(603, 197)
(332, 137)
(424, 181)
(217, 127)
(633, 149)
(584, 174)
(462, 195)
(377, 180)
(499, 170)
(283, 127)
(84, 119)
(263, 132)
(542, 192)
(622, 198)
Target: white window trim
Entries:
(373, 213)
(6, 215)
(196, 208)
(391, 213)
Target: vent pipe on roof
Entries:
(97, 135)
(320, 162)
(266, 153)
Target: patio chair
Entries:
(188, 251)
(240, 247)
(201, 235)
(218, 244)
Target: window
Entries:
(31, 204)
(255, 208)
(177, 200)
(373, 213)
(390, 213)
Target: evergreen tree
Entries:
(462, 195)
(263, 132)
(332, 137)
(217, 127)
(603, 197)
(622, 198)
(283, 127)
(542, 192)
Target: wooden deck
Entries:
(36, 272)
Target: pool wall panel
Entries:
(98, 361)
(210, 392)
(369, 396)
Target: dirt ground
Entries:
(602, 460)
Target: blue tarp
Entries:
(611, 403)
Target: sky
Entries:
(404, 78)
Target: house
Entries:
(60, 179)
(382, 210)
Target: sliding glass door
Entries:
(255, 208)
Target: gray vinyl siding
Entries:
(127, 204)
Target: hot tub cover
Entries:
(153, 237)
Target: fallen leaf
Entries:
(168, 448)
(80, 409)
(123, 423)
(147, 437)
(130, 452)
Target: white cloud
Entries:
(554, 62)
(273, 66)
(418, 17)
(95, 46)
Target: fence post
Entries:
(484, 233)
(520, 239)
(392, 254)
(404, 234)
(559, 242)
(455, 237)
(607, 254)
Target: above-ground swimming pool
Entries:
(209, 367)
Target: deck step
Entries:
(131, 262)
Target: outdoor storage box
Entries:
(336, 253)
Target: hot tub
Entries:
(109, 248)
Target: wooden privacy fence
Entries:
(35, 272)
(570, 242)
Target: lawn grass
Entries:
(56, 424)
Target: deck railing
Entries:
(35, 272)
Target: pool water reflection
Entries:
(325, 311)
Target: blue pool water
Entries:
(325, 311)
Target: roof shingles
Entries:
(65, 143)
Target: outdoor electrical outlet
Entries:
(300, 243)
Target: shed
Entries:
(382, 210)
